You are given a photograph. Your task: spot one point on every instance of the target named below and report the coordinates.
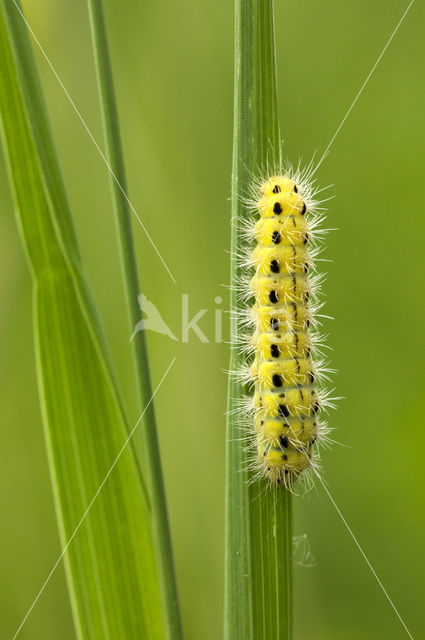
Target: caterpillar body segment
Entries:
(286, 400)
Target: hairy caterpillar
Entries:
(284, 373)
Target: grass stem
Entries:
(259, 563)
(154, 474)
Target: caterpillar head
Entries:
(280, 196)
(278, 184)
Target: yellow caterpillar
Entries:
(286, 401)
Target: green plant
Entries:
(120, 567)
(132, 288)
(259, 564)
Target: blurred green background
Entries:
(173, 65)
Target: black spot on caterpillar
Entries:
(274, 266)
(284, 442)
(274, 350)
(283, 410)
(277, 380)
(274, 324)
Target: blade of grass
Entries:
(259, 565)
(118, 185)
(110, 565)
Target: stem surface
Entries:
(259, 561)
(154, 474)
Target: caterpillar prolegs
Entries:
(285, 373)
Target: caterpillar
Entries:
(279, 327)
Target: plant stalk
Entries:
(259, 561)
(154, 474)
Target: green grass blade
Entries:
(259, 565)
(131, 284)
(110, 564)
